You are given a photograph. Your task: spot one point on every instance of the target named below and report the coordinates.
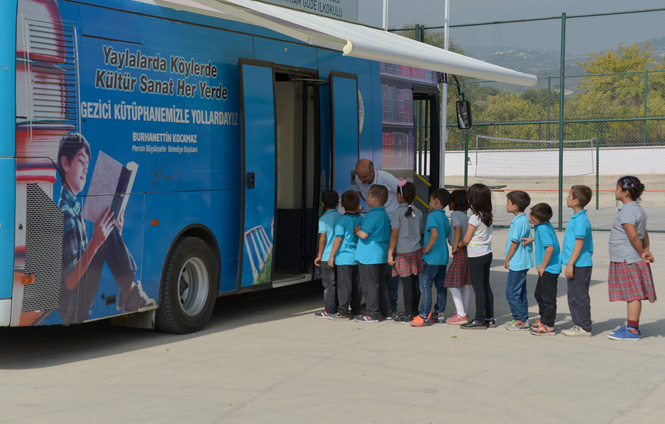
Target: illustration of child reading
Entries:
(82, 259)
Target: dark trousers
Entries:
(76, 304)
(348, 290)
(411, 294)
(545, 295)
(579, 301)
(374, 289)
(329, 287)
(480, 280)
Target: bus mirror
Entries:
(464, 120)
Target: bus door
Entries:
(345, 129)
(258, 167)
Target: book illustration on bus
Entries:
(110, 177)
(83, 256)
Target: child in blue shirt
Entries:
(372, 255)
(329, 200)
(519, 258)
(343, 257)
(548, 265)
(576, 252)
(435, 260)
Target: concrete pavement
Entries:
(265, 359)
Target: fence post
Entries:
(549, 102)
(646, 81)
(561, 100)
(466, 158)
(597, 169)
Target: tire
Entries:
(188, 288)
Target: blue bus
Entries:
(158, 154)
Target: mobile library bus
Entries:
(157, 154)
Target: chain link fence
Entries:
(596, 114)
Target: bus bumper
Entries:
(5, 312)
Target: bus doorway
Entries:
(281, 168)
(297, 154)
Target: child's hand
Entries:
(331, 262)
(541, 269)
(647, 256)
(356, 229)
(570, 271)
(391, 260)
(317, 261)
(454, 250)
(506, 263)
(425, 250)
(526, 240)
(102, 229)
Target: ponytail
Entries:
(408, 191)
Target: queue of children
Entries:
(360, 249)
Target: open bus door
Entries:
(279, 160)
(345, 129)
(258, 169)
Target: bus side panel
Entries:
(283, 53)
(7, 78)
(7, 152)
(167, 214)
(7, 198)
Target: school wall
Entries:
(527, 163)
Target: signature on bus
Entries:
(160, 175)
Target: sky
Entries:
(584, 35)
(431, 12)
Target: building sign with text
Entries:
(337, 9)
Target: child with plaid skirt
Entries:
(630, 277)
(405, 251)
(458, 277)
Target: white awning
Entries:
(352, 39)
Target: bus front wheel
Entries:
(188, 288)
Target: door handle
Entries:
(250, 180)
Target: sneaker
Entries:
(576, 331)
(386, 317)
(403, 319)
(135, 298)
(517, 325)
(625, 333)
(535, 324)
(491, 323)
(440, 319)
(543, 330)
(340, 317)
(365, 318)
(457, 319)
(323, 314)
(419, 321)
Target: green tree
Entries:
(614, 87)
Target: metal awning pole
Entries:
(444, 101)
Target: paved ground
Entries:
(265, 359)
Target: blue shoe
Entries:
(365, 318)
(625, 333)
